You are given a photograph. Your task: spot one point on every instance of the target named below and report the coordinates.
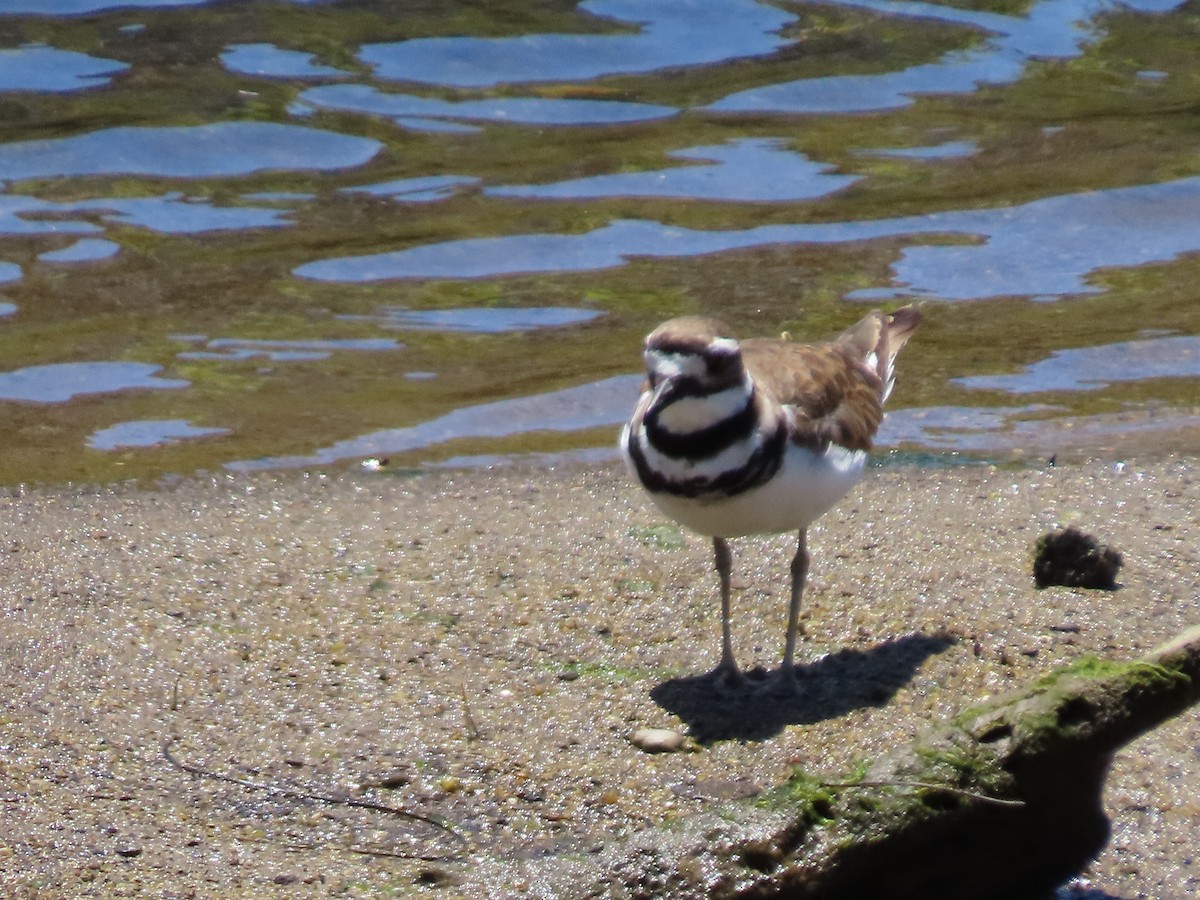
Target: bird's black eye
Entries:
(722, 356)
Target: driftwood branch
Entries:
(924, 822)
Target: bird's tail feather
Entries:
(879, 337)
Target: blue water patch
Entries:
(86, 250)
(404, 108)
(280, 350)
(9, 271)
(149, 433)
(417, 190)
(948, 150)
(746, 170)
(671, 33)
(171, 213)
(176, 214)
(269, 61)
(60, 382)
(50, 70)
(1093, 368)
(82, 7)
(202, 151)
(952, 427)
(1054, 29)
(7, 309)
(436, 126)
(1002, 430)
(595, 405)
(1045, 247)
(479, 320)
(15, 212)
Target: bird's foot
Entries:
(783, 682)
(727, 677)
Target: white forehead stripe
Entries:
(676, 365)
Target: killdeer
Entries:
(759, 437)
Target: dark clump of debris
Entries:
(1075, 559)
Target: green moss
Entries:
(660, 537)
(634, 586)
(805, 797)
(1058, 702)
(964, 765)
(615, 674)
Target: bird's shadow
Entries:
(832, 686)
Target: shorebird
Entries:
(759, 437)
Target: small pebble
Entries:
(657, 740)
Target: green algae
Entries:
(805, 797)
(660, 537)
(1064, 702)
(1117, 128)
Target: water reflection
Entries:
(1044, 248)
(278, 350)
(947, 150)
(172, 213)
(60, 382)
(269, 61)
(478, 320)
(1093, 368)
(48, 69)
(748, 170)
(594, 405)
(958, 428)
(950, 429)
(176, 214)
(17, 218)
(408, 110)
(86, 250)
(417, 190)
(1054, 29)
(124, 132)
(80, 7)
(1001, 431)
(670, 33)
(201, 151)
(149, 433)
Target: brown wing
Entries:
(834, 396)
(835, 390)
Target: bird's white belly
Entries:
(806, 486)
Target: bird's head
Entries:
(694, 353)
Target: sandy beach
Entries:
(477, 647)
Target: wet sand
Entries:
(478, 647)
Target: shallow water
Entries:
(255, 235)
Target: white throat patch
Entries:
(689, 414)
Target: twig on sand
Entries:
(322, 798)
